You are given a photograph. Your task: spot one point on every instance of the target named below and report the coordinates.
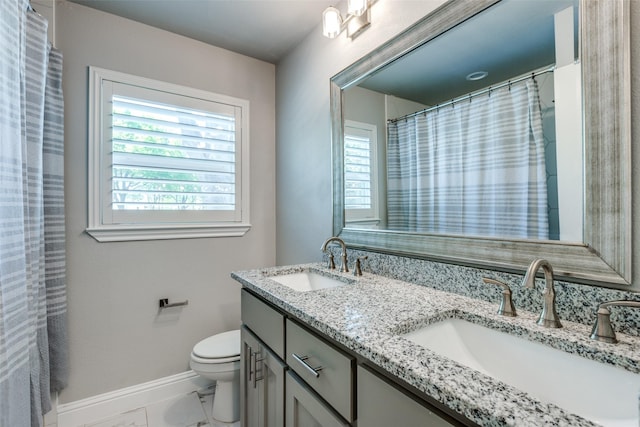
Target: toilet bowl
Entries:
(218, 358)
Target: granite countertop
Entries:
(369, 315)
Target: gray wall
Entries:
(117, 336)
(304, 201)
(303, 177)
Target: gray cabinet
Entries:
(305, 409)
(381, 404)
(249, 399)
(292, 377)
(328, 371)
(262, 391)
(264, 321)
(262, 372)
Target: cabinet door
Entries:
(270, 371)
(262, 384)
(382, 405)
(305, 409)
(249, 402)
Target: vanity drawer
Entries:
(265, 321)
(324, 368)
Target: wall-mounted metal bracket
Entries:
(164, 303)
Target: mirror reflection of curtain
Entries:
(33, 335)
(475, 167)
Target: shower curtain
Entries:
(33, 337)
(475, 167)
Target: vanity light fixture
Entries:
(356, 7)
(356, 21)
(331, 22)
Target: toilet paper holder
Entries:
(164, 303)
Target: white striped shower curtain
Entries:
(33, 336)
(474, 168)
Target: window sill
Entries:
(128, 233)
(369, 221)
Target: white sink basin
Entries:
(593, 390)
(307, 281)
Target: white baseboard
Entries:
(95, 408)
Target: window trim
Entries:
(369, 216)
(105, 232)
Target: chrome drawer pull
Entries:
(302, 359)
(257, 358)
(250, 363)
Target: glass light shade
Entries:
(357, 7)
(331, 22)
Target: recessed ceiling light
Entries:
(477, 75)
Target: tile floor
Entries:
(190, 410)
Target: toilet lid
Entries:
(226, 344)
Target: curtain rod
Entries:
(478, 92)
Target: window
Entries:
(165, 161)
(361, 189)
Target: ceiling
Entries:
(263, 29)
(516, 37)
(509, 39)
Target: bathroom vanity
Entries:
(317, 381)
(341, 354)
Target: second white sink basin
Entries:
(593, 390)
(307, 281)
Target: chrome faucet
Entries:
(548, 317)
(343, 255)
(602, 329)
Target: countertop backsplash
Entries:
(574, 302)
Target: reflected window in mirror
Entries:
(361, 173)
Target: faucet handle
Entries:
(602, 329)
(357, 270)
(506, 305)
(331, 263)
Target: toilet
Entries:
(218, 358)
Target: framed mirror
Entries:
(598, 249)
